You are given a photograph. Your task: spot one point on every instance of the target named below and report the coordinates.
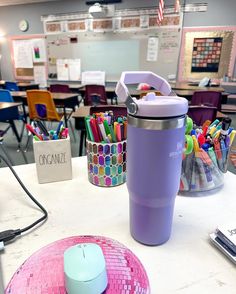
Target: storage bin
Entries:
(53, 160)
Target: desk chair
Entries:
(200, 113)
(11, 115)
(95, 95)
(208, 98)
(11, 86)
(41, 107)
(59, 88)
(117, 111)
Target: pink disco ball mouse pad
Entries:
(43, 272)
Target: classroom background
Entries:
(94, 49)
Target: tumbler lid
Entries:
(168, 105)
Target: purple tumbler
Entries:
(155, 141)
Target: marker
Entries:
(112, 134)
(106, 126)
(102, 129)
(88, 129)
(29, 128)
(218, 154)
(225, 126)
(215, 122)
(93, 126)
(36, 138)
(232, 136)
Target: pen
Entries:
(59, 127)
(42, 128)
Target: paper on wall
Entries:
(40, 76)
(152, 49)
(93, 77)
(144, 21)
(74, 69)
(62, 70)
(38, 50)
(22, 53)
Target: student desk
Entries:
(69, 100)
(83, 111)
(187, 86)
(10, 116)
(23, 86)
(187, 263)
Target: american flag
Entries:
(160, 12)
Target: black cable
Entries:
(8, 235)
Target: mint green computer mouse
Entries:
(85, 269)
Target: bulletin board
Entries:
(29, 57)
(116, 52)
(207, 52)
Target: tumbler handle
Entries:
(133, 77)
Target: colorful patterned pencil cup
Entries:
(106, 163)
(203, 170)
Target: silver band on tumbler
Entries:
(157, 124)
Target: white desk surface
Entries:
(188, 263)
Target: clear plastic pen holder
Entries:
(203, 171)
(106, 163)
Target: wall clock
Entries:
(23, 25)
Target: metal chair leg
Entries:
(5, 152)
(27, 143)
(82, 138)
(72, 130)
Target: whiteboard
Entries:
(117, 52)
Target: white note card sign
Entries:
(53, 160)
(152, 49)
(93, 78)
(62, 70)
(74, 68)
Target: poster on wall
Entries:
(38, 50)
(22, 54)
(40, 76)
(74, 69)
(62, 70)
(152, 49)
(206, 54)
